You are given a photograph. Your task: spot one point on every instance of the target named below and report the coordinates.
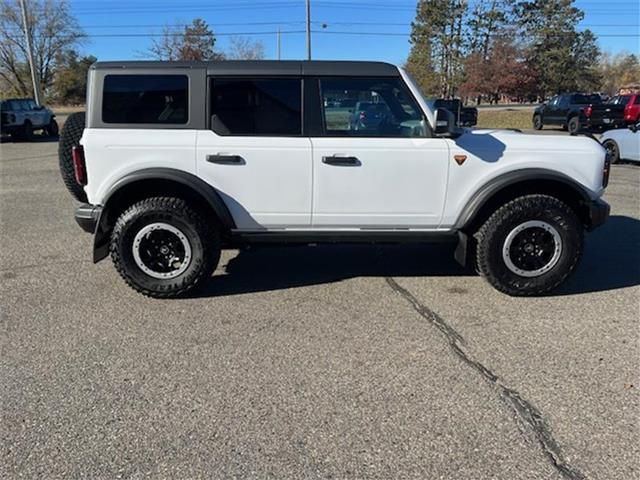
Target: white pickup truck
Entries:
(175, 161)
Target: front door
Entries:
(375, 165)
(254, 155)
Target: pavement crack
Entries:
(525, 411)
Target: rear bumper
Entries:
(87, 216)
(598, 213)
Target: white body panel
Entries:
(399, 182)
(114, 153)
(628, 142)
(492, 153)
(282, 183)
(271, 189)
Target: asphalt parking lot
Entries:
(311, 362)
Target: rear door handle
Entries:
(342, 161)
(221, 159)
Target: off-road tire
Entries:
(203, 236)
(491, 237)
(574, 125)
(612, 149)
(70, 137)
(27, 132)
(537, 122)
(52, 129)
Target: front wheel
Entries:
(612, 149)
(52, 129)
(162, 247)
(530, 245)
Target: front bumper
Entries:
(87, 216)
(598, 213)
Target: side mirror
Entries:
(446, 123)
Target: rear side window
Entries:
(261, 107)
(145, 99)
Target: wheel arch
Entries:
(509, 186)
(156, 182)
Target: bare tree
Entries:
(192, 42)
(53, 31)
(243, 48)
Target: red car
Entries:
(632, 106)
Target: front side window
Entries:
(256, 106)
(145, 99)
(369, 107)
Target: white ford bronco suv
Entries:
(177, 160)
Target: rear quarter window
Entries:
(145, 99)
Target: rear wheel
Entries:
(530, 245)
(574, 125)
(612, 149)
(163, 247)
(27, 132)
(537, 122)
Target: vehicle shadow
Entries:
(611, 261)
(36, 139)
(268, 268)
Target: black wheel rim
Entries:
(532, 249)
(161, 251)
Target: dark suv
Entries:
(565, 110)
(20, 117)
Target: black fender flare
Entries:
(198, 186)
(485, 193)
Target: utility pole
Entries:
(27, 36)
(308, 2)
(278, 43)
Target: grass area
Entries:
(506, 118)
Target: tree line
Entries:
(521, 50)
(484, 50)
(57, 38)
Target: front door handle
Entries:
(221, 159)
(341, 161)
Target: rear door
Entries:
(254, 152)
(381, 175)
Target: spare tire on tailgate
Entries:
(70, 137)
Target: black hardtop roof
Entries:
(261, 67)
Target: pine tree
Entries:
(435, 60)
(557, 49)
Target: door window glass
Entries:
(256, 106)
(370, 107)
